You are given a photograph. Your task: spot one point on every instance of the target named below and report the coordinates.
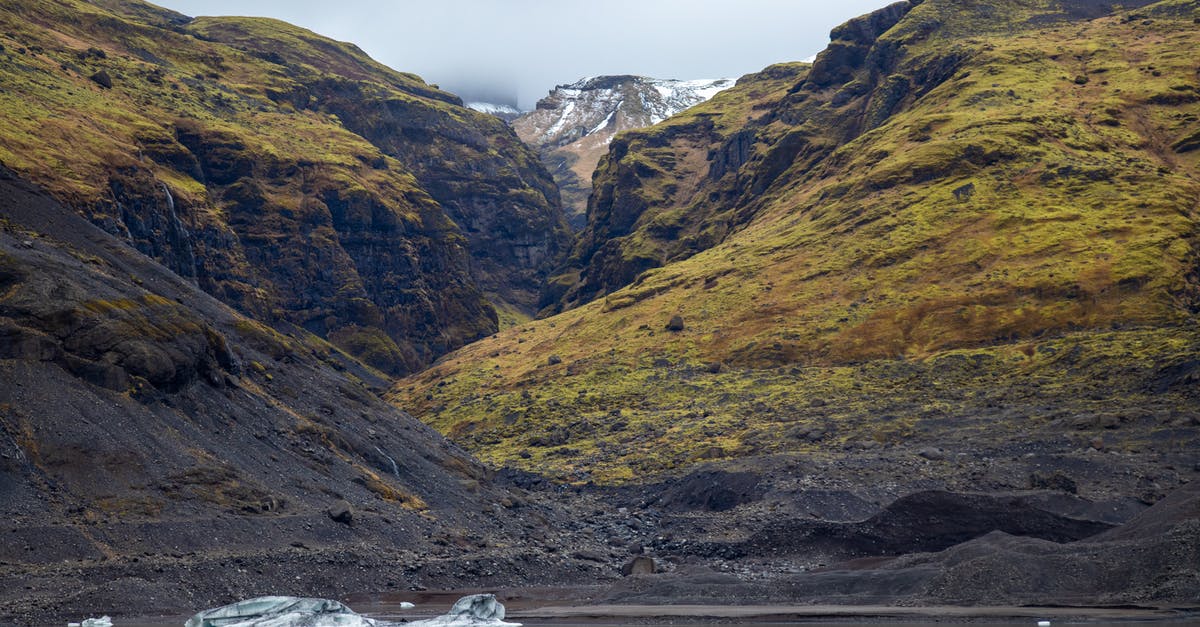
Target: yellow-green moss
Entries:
(1009, 217)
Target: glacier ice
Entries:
(103, 621)
(279, 611)
(478, 610)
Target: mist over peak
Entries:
(480, 49)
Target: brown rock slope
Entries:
(285, 173)
(159, 452)
(967, 226)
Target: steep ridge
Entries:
(159, 451)
(283, 172)
(572, 126)
(650, 204)
(968, 228)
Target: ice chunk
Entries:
(477, 610)
(281, 612)
(103, 621)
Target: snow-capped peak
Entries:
(609, 104)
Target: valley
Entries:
(912, 325)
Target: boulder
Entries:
(341, 511)
(102, 79)
(675, 324)
(640, 565)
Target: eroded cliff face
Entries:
(287, 174)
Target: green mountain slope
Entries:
(969, 223)
(280, 170)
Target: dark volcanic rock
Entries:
(640, 565)
(354, 201)
(197, 447)
(341, 511)
(102, 79)
(714, 491)
(489, 183)
(925, 521)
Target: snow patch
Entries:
(491, 108)
(591, 104)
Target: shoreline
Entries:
(531, 610)
(867, 613)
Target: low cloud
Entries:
(523, 48)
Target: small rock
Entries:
(932, 454)
(640, 565)
(1097, 443)
(102, 79)
(675, 324)
(554, 360)
(1053, 481)
(341, 511)
(714, 368)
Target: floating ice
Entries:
(281, 612)
(477, 610)
(103, 621)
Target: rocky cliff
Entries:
(967, 226)
(289, 175)
(161, 452)
(573, 126)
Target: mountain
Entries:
(958, 250)
(289, 175)
(160, 451)
(218, 237)
(914, 324)
(572, 126)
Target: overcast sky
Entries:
(526, 47)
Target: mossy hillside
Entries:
(650, 204)
(213, 155)
(472, 164)
(1008, 214)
